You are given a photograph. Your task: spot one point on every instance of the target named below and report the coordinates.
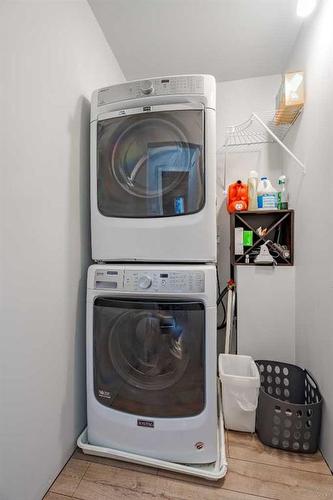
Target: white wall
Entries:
(312, 141)
(52, 55)
(236, 100)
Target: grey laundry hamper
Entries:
(289, 408)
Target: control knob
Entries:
(145, 282)
(147, 87)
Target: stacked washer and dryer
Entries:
(151, 298)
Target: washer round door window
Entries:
(149, 356)
(151, 164)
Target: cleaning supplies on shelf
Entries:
(252, 185)
(237, 197)
(282, 193)
(267, 195)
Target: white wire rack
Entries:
(269, 127)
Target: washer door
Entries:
(151, 164)
(149, 356)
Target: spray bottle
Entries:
(282, 193)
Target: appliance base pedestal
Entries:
(213, 471)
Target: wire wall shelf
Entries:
(269, 127)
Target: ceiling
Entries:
(231, 39)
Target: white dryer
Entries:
(153, 170)
(151, 360)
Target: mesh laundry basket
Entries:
(289, 408)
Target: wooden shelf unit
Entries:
(280, 229)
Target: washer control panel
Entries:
(164, 281)
(175, 85)
(150, 281)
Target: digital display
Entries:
(164, 275)
(112, 273)
(165, 81)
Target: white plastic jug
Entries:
(267, 195)
(252, 186)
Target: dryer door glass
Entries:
(149, 356)
(151, 164)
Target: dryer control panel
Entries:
(150, 281)
(173, 85)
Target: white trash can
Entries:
(240, 381)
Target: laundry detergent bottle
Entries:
(252, 186)
(267, 195)
(237, 197)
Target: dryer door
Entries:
(149, 356)
(151, 164)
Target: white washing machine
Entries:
(151, 360)
(153, 170)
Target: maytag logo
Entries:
(122, 112)
(146, 108)
(145, 423)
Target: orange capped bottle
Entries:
(238, 198)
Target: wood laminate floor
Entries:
(255, 472)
